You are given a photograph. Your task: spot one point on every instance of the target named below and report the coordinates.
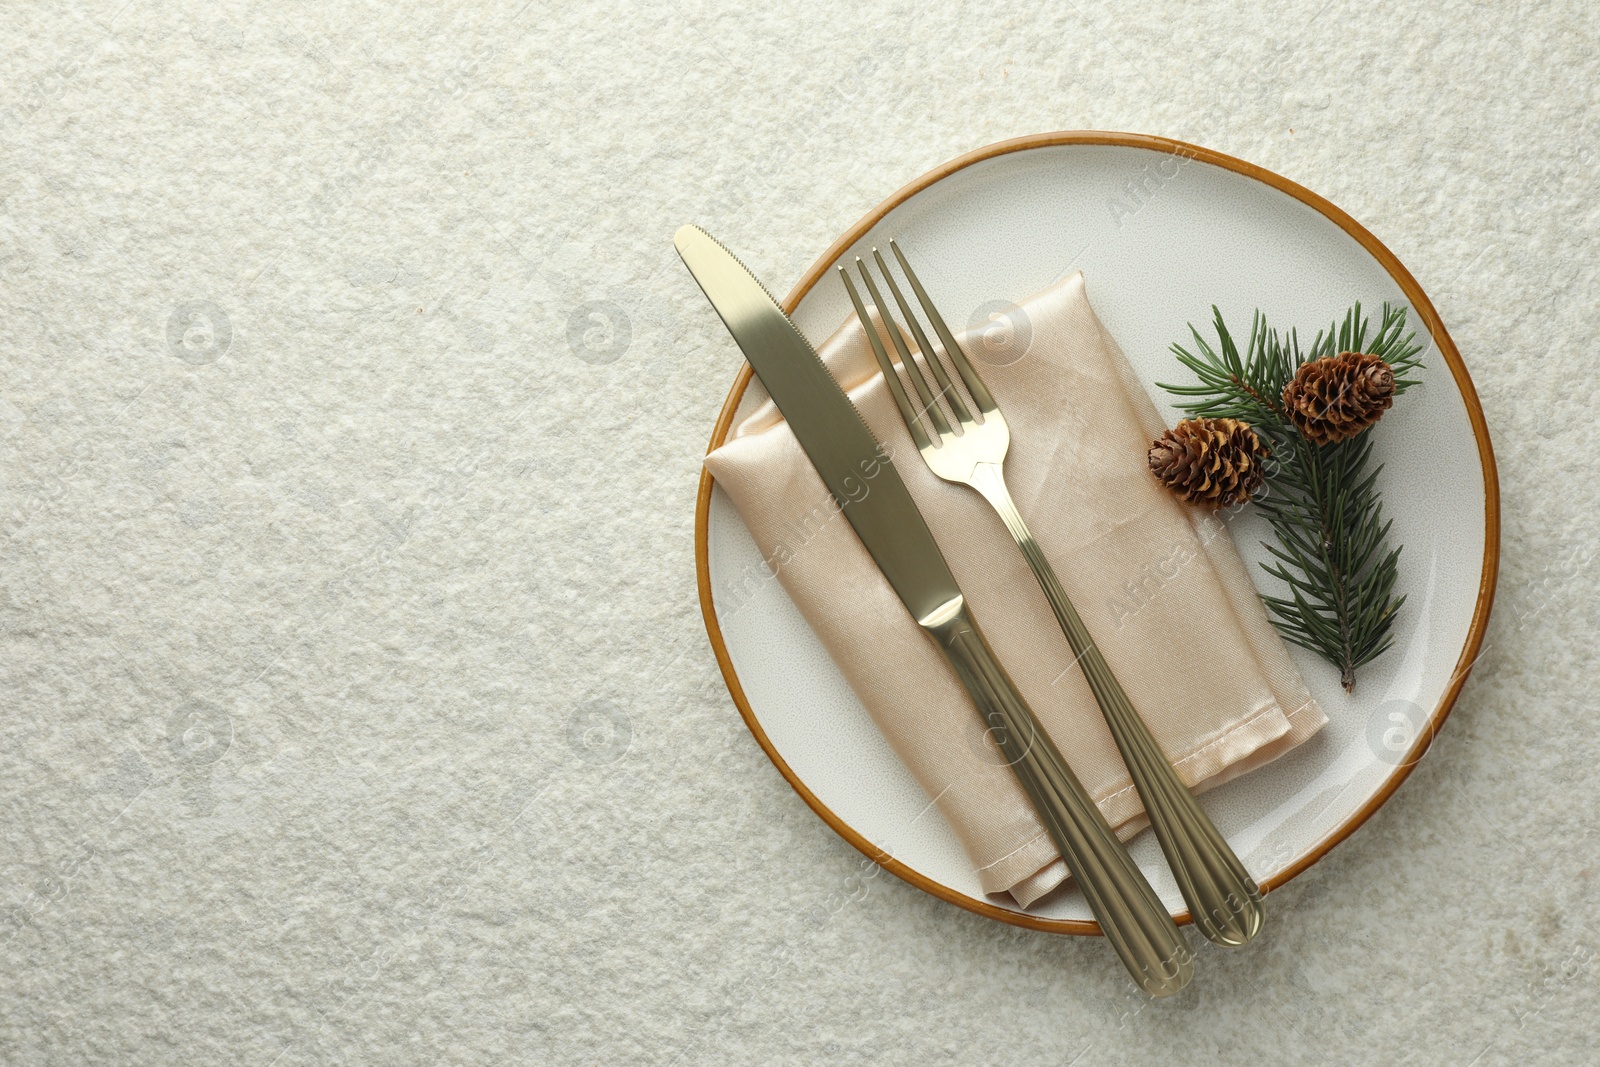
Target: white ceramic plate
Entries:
(1161, 231)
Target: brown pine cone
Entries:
(1336, 397)
(1214, 463)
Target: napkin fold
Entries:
(1159, 584)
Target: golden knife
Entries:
(861, 476)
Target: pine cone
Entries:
(1336, 397)
(1214, 463)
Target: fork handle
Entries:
(1132, 916)
(1223, 899)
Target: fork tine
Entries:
(901, 401)
(946, 386)
(969, 374)
(930, 404)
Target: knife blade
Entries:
(853, 465)
(862, 478)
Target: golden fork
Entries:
(971, 450)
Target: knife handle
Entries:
(1132, 916)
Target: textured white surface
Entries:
(418, 582)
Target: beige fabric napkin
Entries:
(1160, 585)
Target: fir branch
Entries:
(1332, 552)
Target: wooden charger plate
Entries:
(1162, 230)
